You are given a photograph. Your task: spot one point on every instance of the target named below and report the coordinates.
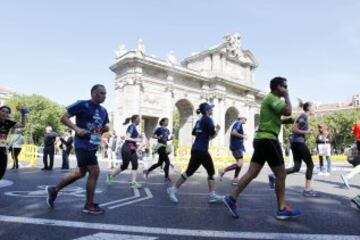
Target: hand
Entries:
(81, 132)
(217, 127)
(24, 110)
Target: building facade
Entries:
(156, 88)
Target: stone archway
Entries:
(230, 116)
(184, 114)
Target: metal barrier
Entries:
(28, 155)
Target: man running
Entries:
(237, 148)
(91, 122)
(267, 149)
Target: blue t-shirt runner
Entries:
(134, 134)
(237, 143)
(164, 133)
(203, 130)
(91, 117)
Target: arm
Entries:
(65, 119)
(296, 129)
(129, 138)
(236, 134)
(23, 121)
(287, 111)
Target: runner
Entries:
(6, 124)
(162, 134)
(237, 148)
(300, 151)
(267, 149)
(203, 131)
(91, 122)
(128, 152)
(346, 178)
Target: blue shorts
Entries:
(86, 157)
(238, 154)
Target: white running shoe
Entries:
(172, 194)
(215, 198)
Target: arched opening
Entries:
(183, 123)
(230, 116)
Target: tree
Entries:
(43, 113)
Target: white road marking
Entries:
(175, 231)
(111, 236)
(136, 195)
(148, 196)
(5, 183)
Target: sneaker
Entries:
(310, 193)
(230, 204)
(52, 194)
(172, 194)
(168, 179)
(235, 182)
(135, 184)
(321, 174)
(93, 209)
(109, 179)
(272, 180)
(221, 175)
(146, 174)
(356, 200)
(345, 181)
(214, 198)
(287, 213)
(327, 174)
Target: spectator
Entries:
(15, 144)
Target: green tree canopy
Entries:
(43, 113)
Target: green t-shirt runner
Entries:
(270, 117)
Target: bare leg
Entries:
(91, 183)
(71, 177)
(252, 173)
(280, 174)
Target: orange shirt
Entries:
(356, 130)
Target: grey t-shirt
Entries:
(303, 124)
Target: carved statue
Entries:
(140, 47)
(171, 58)
(120, 51)
(233, 45)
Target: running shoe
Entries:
(52, 194)
(230, 204)
(310, 193)
(327, 174)
(235, 182)
(172, 194)
(287, 213)
(356, 200)
(215, 198)
(109, 179)
(221, 174)
(135, 185)
(146, 174)
(93, 209)
(272, 180)
(345, 181)
(321, 173)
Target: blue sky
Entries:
(60, 48)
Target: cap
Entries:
(206, 107)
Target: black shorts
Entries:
(267, 150)
(238, 154)
(86, 157)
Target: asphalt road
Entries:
(148, 213)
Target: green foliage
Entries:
(43, 113)
(340, 127)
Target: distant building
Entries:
(323, 109)
(5, 94)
